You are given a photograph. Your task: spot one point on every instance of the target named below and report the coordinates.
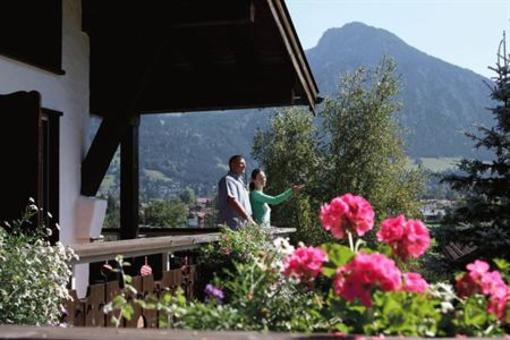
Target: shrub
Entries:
(33, 274)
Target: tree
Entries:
(287, 151)
(167, 214)
(112, 217)
(188, 196)
(358, 150)
(361, 149)
(483, 218)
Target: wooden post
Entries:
(129, 181)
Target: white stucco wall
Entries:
(69, 94)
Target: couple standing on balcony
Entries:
(237, 206)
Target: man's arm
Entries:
(238, 208)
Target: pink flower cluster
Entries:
(366, 272)
(347, 213)
(407, 238)
(305, 263)
(414, 283)
(480, 280)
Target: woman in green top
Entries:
(260, 201)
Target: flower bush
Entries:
(235, 246)
(348, 289)
(305, 263)
(33, 274)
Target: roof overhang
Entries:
(191, 55)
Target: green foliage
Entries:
(170, 213)
(338, 255)
(258, 297)
(241, 246)
(33, 274)
(404, 314)
(483, 218)
(284, 167)
(472, 319)
(177, 312)
(122, 305)
(112, 217)
(358, 150)
(269, 301)
(187, 196)
(362, 150)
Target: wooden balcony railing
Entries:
(88, 311)
(102, 251)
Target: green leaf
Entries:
(118, 300)
(127, 312)
(337, 254)
(329, 269)
(474, 312)
(502, 264)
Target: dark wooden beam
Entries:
(244, 13)
(295, 51)
(164, 15)
(100, 154)
(242, 101)
(129, 181)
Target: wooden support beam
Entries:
(114, 127)
(129, 181)
(100, 154)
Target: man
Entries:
(233, 198)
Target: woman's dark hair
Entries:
(254, 174)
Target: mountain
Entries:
(440, 100)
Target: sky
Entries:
(462, 32)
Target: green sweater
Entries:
(259, 204)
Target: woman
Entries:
(260, 201)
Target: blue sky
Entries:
(465, 33)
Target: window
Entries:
(31, 32)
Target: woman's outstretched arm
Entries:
(259, 196)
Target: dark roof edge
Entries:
(297, 55)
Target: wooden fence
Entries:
(88, 311)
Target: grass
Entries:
(155, 175)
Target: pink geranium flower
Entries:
(366, 272)
(305, 263)
(407, 238)
(477, 269)
(479, 279)
(347, 213)
(392, 229)
(414, 283)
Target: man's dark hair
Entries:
(233, 159)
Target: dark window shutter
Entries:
(20, 152)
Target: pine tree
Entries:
(483, 219)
